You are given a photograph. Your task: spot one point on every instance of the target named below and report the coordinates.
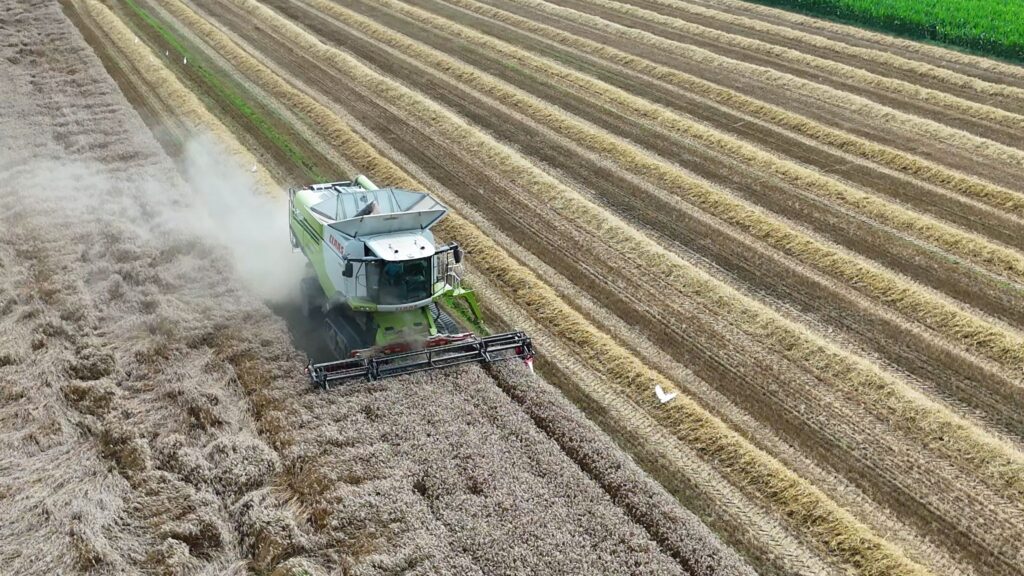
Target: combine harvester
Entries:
(377, 277)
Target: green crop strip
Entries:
(990, 27)
(225, 94)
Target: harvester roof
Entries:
(400, 247)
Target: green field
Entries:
(992, 27)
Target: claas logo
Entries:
(337, 245)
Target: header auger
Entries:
(378, 280)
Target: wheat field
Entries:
(812, 233)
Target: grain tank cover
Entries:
(396, 210)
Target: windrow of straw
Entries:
(863, 107)
(180, 99)
(858, 76)
(925, 50)
(813, 513)
(932, 310)
(972, 449)
(885, 59)
(930, 172)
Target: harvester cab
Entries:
(391, 299)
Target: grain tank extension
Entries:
(391, 299)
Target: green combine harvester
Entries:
(384, 288)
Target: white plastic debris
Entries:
(662, 395)
(184, 60)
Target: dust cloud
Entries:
(223, 205)
(230, 210)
